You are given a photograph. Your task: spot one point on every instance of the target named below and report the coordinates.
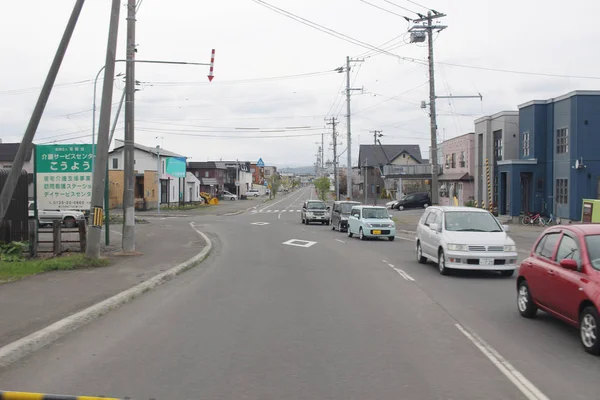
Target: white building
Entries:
(146, 159)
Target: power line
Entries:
(250, 80)
(357, 42)
(385, 9)
(191, 134)
(37, 89)
(329, 31)
(417, 4)
(229, 128)
(399, 6)
(518, 72)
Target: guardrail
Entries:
(45, 396)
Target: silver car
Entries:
(465, 238)
(315, 211)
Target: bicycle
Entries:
(532, 218)
(552, 220)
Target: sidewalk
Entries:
(36, 302)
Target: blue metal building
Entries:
(559, 157)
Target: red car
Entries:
(562, 277)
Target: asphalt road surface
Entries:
(325, 317)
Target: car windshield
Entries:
(593, 247)
(316, 206)
(470, 221)
(347, 207)
(375, 213)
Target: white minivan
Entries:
(465, 238)
(253, 192)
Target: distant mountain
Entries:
(297, 170)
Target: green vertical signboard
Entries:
(63, 176)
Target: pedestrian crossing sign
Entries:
(260, 163)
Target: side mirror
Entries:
(570, 264)
(506, 228)
(434, 227)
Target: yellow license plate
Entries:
(376, 232)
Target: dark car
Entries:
(561, 276)
(414, 200)
(340, 213)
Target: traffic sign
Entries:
(237, 183)
(260, 163)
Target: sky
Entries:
(275, 80)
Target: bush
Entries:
(13, 251)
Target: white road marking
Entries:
(276, 211)
(400, 272)
(269, 211)
(259, 223)
(338, 240)
(299, 243)
(523, 384)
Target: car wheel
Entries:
(348, 231)
(361, 235)
(70, 222)
(525, 303)
(588, 327)
(420, 258)
(339, 226)
(442, 263)
(425, 205)
(391, 238)
(507, 273)
(400, 208)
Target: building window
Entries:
(562, 191)
(115, 163)
(526, 144)
(562, 141)
(206, 174)
(453, 160)
(462, 160)
(448, 161)
(498, 145)
(540, 184)
(163, 166)
(495, 198)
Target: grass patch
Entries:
(184, 207)
(118, 219)
(12, 271)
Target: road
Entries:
(327, 318)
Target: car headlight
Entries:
(510, 247)
(369, 225)
(458, 247)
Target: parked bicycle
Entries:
(532, 219)
(552, 220)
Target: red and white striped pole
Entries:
(212, 66)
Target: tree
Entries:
(322, 185)
(342, 184)
(274, 183)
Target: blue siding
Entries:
(581, 114)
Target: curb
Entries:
(18, 349)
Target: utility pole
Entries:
(376, 135)
(365, 180)
(128, 147)
(322, 152)
(333, 122)
(418, 35)
(13, 176)
(348, 126)
(99, 174)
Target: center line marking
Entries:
(341, 241)
(400, 272)
(522, 383)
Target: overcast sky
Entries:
(272, 72)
